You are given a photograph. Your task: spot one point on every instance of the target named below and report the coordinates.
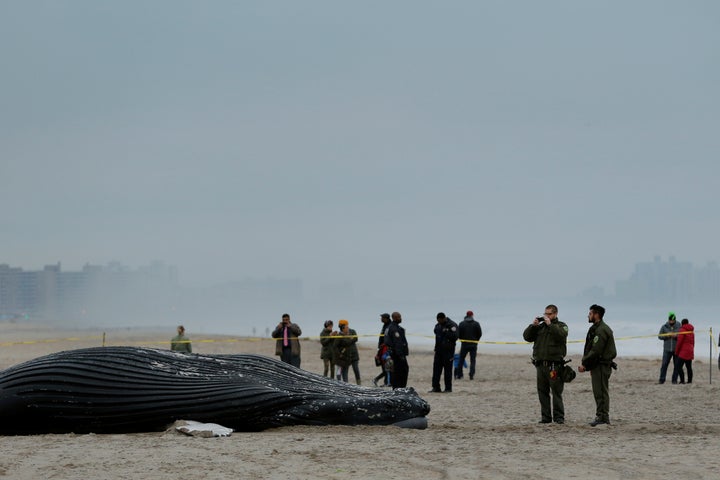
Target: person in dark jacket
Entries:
(446, 334)
(668, 335)
(347, 352)
(398, 350)
(685, 348)
(470, 333)
(598, 357)
(287, 346)
(326, 352)
(549, 337)
(381, 355)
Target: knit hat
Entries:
(342, 322)
(671, 316)
(469, 313)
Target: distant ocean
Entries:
(504, 321)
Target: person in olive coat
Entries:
(549, 337)
(180, 343)
(598, 359)
(326, 351)
(346, 352)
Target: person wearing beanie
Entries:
(668, 335)
(347, 354)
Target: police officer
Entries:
(446, 334)
(549, 337)
(598, 358)
(398, 349)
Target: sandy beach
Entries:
(486, 428)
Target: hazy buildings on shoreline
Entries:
(152, 295)
(670, 281)
(149, 295)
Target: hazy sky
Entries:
(473, 148)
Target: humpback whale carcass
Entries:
(133, 389)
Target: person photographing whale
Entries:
(287, 346)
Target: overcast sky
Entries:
(493, 148)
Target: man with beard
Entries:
(598, 359)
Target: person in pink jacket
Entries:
(685, 348)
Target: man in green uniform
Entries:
(598, 360)
(180, 343)
(549, 349)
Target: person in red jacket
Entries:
(685, 348)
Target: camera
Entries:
(540, 319)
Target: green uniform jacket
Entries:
(550, 341)
(326, 352)
(599, 346)
(180, 343)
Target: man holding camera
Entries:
(549, 337)
(287, 346)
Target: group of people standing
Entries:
(339, 351)
(549, 337)
(678, 346)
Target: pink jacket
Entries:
(685, 348)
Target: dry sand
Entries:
(486, 428)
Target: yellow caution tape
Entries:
(260, 339)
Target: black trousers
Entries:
(287, 357)
(442, 365)
(400, 372)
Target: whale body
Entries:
(135, 389)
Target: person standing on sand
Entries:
(668, 335)
(446, 334)
(180, 343)
(346, 346)
(398, 349)
(685, 349)
(549, 337)
(598, 359)
(470, 333)
(287, 346)
(380, 356)
(326, 351)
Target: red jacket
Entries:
(685, 348)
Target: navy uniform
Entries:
(446, 334)
(398, 349)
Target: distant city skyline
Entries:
(115, 292)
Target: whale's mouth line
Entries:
(419, 423)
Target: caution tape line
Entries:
(106, 340)
(51, 340)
